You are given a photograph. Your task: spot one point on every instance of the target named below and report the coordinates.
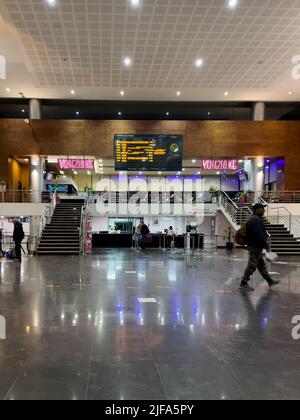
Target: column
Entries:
(36, 178)
(35, 109)
(258, 111)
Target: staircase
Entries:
(62, 235)
(283, 242)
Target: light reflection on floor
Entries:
(147, 326)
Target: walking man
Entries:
(18, 237)
(257, 241)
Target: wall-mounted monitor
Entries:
(148, 152)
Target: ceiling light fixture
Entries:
(135, 3)
(199, 63)
(127, 61)
(232, 4)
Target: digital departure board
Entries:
(137, 152)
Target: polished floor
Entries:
(121, 325)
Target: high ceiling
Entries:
(54, 46)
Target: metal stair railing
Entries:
(277, 215)
(237, 215)
(83, 222)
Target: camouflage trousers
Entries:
(256, 262)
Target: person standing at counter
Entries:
(1, 250)
(18, 237)
(144, 233)
(137, 235)
(171, 237)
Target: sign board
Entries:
(220, 165)
(76, 164)
(148, 152)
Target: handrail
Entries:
(229, 199)
(84, 212)
(277, 209)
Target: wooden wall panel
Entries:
(201, 139)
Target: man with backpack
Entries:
(18, 237)
(256, 238)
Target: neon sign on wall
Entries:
(76, 164)
(220, 165)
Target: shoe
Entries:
(274, 283)
(246, 288)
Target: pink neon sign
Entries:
(79, 164)
(220, 165)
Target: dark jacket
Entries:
(18, 234)
(145, 230)
(257, 236)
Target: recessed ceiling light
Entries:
(178, 93)
(122, 93)
(135, 3)
(226, 93)
(127, 61)
(199, 62)
(232, 4)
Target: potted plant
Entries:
(214, 193)
(229, 237)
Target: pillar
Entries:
(258, 111)
(35, 109)
(36, 178)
